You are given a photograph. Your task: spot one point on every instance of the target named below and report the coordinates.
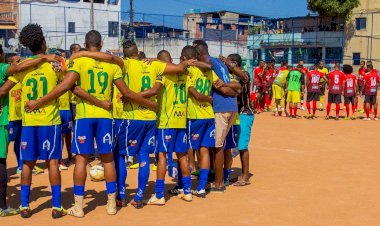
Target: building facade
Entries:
(65, 22)
(362, 35)
(8, 21)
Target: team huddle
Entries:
(124, 107)
(287, 85)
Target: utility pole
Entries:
(131, 30)
(92, 15)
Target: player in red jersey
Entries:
(314, 79)
(259, 73)
(269, 76)
(362, 72)
(370, 85)
(350, 91)
(304, 70)
(336, 86)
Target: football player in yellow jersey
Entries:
(92, 122)
(66, 116)
(74, 48)
(321, 68)
(171, 123)
(41, 129)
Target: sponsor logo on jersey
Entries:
(212, 133)
(132, 143)
(81, 139)
(152, 141)
(23, 145)
(10, 131)
(46, 145)
(195, 136)
(179, 114)
(168, 137)
(107, 139)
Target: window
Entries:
(361, 23)
(95, 1)
(71, 27)
(356, 58)
(334, 55)
(113, 28)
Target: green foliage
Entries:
(341, 8)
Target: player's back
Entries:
(202, 82)
(35, 83)
(294, 80)
(349, 85)
(172, 101)
(281, 77)
(95, 77)
(141, 76)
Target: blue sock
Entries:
(143, 175)
(111, 187)
(186, 185)
(121, 172)
(226, 173)
(56, 196)
(79, 190)
(160, 188)
(180, 179)
(203, 176)
(25, 193)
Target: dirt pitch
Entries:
(305, 173)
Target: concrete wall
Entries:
(367, 41)
(54, 20)
(174, 46)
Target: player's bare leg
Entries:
(110, 176)
(161, 171)
(218, 167)
(191, 158)
(375, 111)
(68, 138)
(80, 175)
(244, 178)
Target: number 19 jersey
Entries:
(35, 83)
(172, 101)
(96, 78)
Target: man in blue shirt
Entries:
(224, 104)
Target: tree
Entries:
(331, 8)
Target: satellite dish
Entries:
(13, 42)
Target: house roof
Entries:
(228, 11)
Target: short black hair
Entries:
(61, 50)
(347, 69)
(199, 42)
(72, 47)
(142, 55)
(299, 66)
(370, 67)
(93, 39)
(9, 56)
(235, 58)
(32, 37)
(130, 48)
(163, 53)
(189, 52)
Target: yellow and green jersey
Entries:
(35, 83)
(281, 78)
(324, 70)
(64, 100)
(139, 77)
(72, 97)
(202, 82)
(96, 78)
(172, 101)
(15, 103)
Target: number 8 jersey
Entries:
(96, 78)
(35, 83)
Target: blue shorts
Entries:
(14, 130)
(201, 133)
(41, 143)
(246, 122)
(133, 136)
(232, 138)
(67, 121)
(86, 130)
(172, 140)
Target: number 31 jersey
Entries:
(139, 77)
(96, 78)
(35, 83)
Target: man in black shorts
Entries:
(370, 85)
(350, 91)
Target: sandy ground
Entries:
(305, 173)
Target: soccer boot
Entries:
(77, 209)
(111, 204)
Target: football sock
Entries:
(121, 173)
(111, 187)
(314, 107)
(295, 111)
(25, 193)
(348, 109)
(56, 196)
(337, 109)
(160, 188)
(328, 109)
(78, 190)
(308, 107)
(143, 175)
(186, 185)
(226, 174)
(203, 175)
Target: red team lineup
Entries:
(341, 85)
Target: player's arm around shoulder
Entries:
(99, 56)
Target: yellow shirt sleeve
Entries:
(74, 66)
(159, 67)
(118, 73)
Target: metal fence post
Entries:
(64, 21)
(163, 31)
